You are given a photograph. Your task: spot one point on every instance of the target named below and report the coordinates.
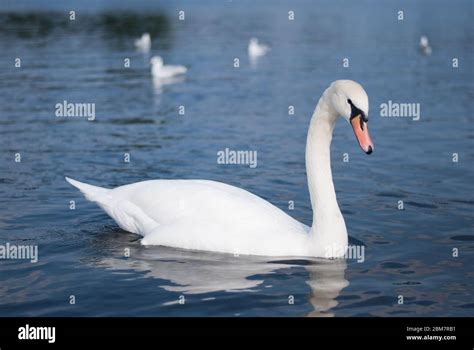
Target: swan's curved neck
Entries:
(328, 224)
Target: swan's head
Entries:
(156, 61)
(253, 41)
(350, 101)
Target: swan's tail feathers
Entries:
(92, 193)
(126, 214)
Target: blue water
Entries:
(408, 252)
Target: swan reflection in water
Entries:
(193, 272)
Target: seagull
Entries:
(425, 45)
(143, 43)
(161, 71)
(256, 49)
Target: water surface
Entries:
(407, 252)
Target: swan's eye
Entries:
(355, 112)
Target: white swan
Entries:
(255, 49)
(143, 43)
(161, 71)
(213, 216)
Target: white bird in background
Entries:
(213, 216)
(161, 71)
(425, 45)
(256, 49)
(143, 43)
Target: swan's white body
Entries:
(212, 216)
(143, 43)
(202, 215)
(255, 49)
(161, 71)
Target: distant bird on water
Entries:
(161, 71)
(425, 45)
(256, 49)
(143, 43)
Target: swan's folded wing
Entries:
(129, 216)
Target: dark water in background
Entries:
(408, 252)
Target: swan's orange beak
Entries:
(361, 131)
